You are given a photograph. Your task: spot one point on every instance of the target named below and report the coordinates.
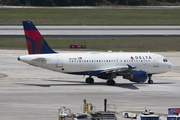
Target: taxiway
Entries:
(28, 92)
(95, 31)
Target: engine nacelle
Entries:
(136, 76)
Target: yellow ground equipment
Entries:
(89, 112)
(111, 107)
(88, 107)
(64, 113)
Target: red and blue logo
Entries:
(35, 42)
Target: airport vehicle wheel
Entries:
(150, 81)
(126, 115)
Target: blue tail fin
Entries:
(35, 42)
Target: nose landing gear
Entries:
(150, 81)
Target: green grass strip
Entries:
(91, 16)
(117, 44)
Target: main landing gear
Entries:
(89, 80)
(150, 81)
(110, 82)
(111, 78)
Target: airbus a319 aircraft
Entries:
(136, 67)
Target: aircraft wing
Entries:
(118, 69)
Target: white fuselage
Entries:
(92, 62)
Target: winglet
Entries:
(35, 42)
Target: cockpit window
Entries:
(165, 60)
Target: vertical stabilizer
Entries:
(35, 42)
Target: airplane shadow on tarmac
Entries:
(122, 85)
(133, 86)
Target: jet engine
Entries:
(136, 76)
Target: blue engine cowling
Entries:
(136, 76)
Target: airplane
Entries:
(136, 67)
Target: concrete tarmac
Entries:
(28, 92)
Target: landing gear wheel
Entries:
(126, 115)
(87, 80)
(90, 80)
(111, 82)
(150, 81)
(107, 82)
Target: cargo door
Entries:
(59, 61)
(156, 62)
